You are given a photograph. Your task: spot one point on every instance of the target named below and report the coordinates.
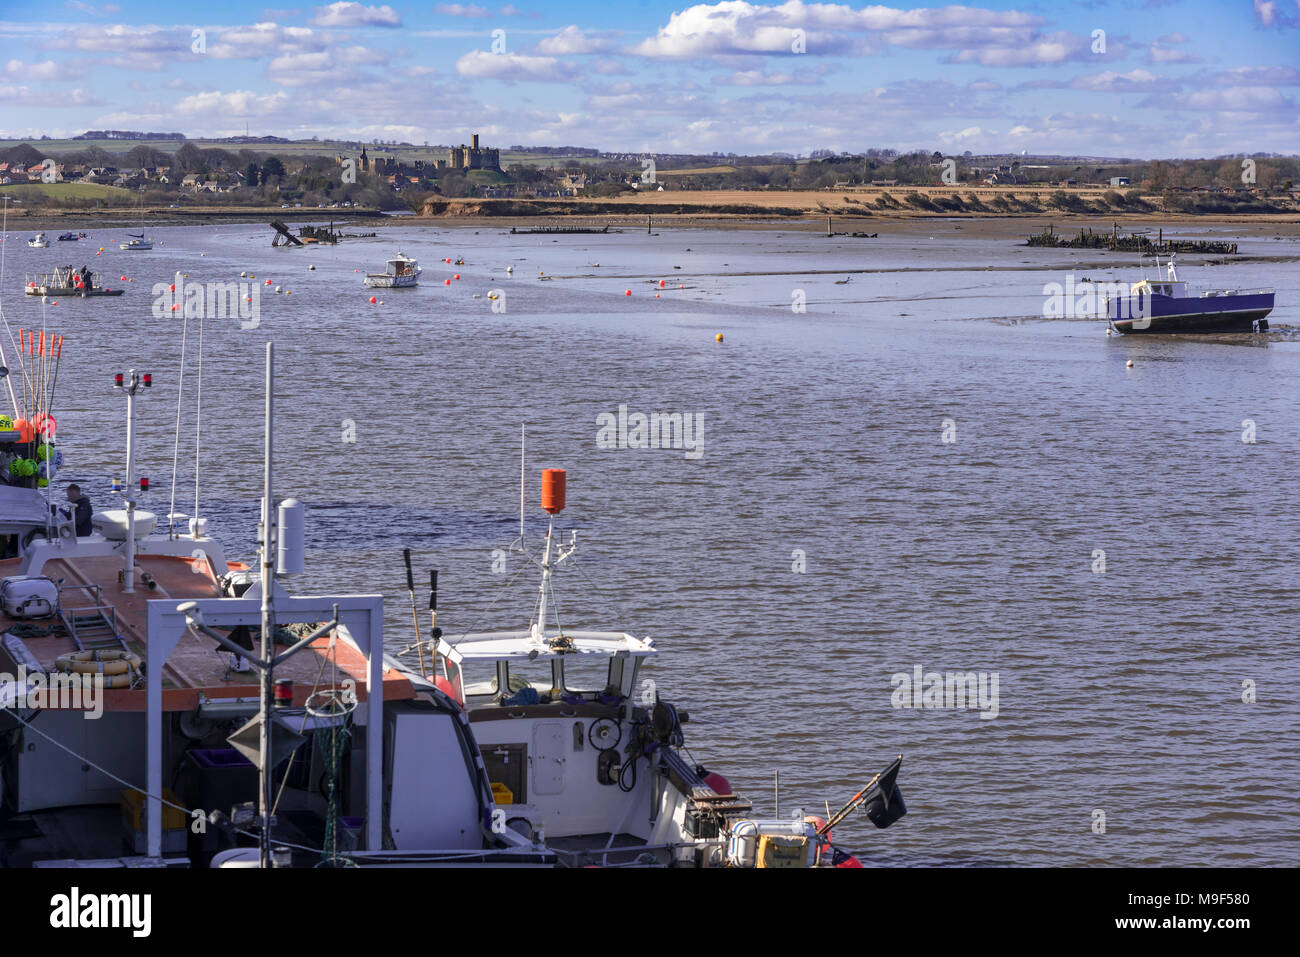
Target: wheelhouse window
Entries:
(586, 674)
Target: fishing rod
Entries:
(434, 631)
(415, 616)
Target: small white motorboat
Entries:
(39, 241)
(403, 271)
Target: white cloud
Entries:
(1255, 76)
(241, 103)
(467, 10)
(513, 66)
(1038, 50)
(349, 14)
(265, 39)
(14, 95)
(1137, 80)
(49, 70)
(1164, 50)
(737, 26)
(1239, 99)
(569, 41)
(759, 78)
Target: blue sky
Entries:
(1143, 78)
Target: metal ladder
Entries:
(94, 627)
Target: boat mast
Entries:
(539, 626)
(268, 622)
(130, 386)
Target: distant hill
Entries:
(127, 135)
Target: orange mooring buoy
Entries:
(553, 490)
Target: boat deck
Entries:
(196, 667)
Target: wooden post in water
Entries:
(828, 225)
(649, 217)
(1160, 238)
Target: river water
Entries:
(1098, 536)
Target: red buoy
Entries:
(553, 491)
(628, 292)
(373, 300)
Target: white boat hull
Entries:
(384, 281)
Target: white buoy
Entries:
(243, 275)
(278, 289)
(1129, 364)
(311, 268)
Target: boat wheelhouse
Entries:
(1164, 305)
(402, 272)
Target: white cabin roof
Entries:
(498, 645)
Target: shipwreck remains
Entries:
(1132, 243)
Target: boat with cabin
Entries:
(39, 241)
(144, 721)
(66, 281)
(403, 272)
(72, 237)
(1165, 305)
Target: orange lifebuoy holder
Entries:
(553, 491)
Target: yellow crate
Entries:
(133, 803)
(502, 794)
(777, 850)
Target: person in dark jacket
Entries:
(83, 511)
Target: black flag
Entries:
(883, 801)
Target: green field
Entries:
(81, 192)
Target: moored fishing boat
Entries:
(147, 722)
(402, 272)
(71, 237)
(66, 281)
(38, 241)
(1164, 305)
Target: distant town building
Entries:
(1119, 181)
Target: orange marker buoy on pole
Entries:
(553, 491)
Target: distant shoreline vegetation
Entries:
(118, 168)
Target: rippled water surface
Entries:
(1119, 691)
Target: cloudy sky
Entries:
(1143, 78)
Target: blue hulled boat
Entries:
(1165, 305)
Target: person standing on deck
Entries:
(83, 511)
